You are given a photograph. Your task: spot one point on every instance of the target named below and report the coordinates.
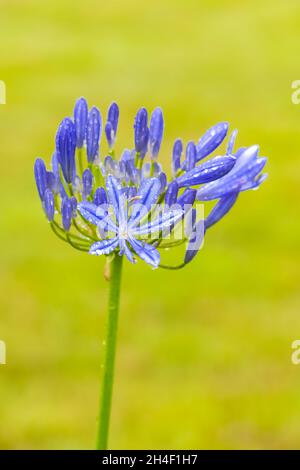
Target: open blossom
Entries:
(103, 204)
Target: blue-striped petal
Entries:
(231, 142)
(104, 247)
(162, 222)
(147, 195)
(96, 215)
(126, 251)
(254, 184)
(220, 209)
(145, 251)
(115, 197)
(195, 242)
(245, 159)
(233, 181)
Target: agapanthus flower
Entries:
(103, 204)
(121, 205)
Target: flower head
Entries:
(128, 206)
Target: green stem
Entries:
(109, 353)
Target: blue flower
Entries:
(128, 205)
(126, 228)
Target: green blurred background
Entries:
(204, 354)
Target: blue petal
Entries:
(104, 247)
(145, 251)
(246, 158)
(233, 181)
(187, 198)
(254, 183)
(116, 198)
(96, 215)
(231, 142)
(220, 209)
(125, 250)
(164, 221)
(147, 195)
(195, 242)
(211, 139)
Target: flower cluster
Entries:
(128, 205)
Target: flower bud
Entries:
(80, 120)
(40, 174)
(141, 132)
(48, 204)
(171, 194)
(191, 156)
(177, 152)
(100, 197)
(87, 182)
(156, 130)
(65, 148)
(93, 132)
(211, 139)
(112, 124)
(66, 213)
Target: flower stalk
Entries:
(110, 345)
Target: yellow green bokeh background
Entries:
(204, 354)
